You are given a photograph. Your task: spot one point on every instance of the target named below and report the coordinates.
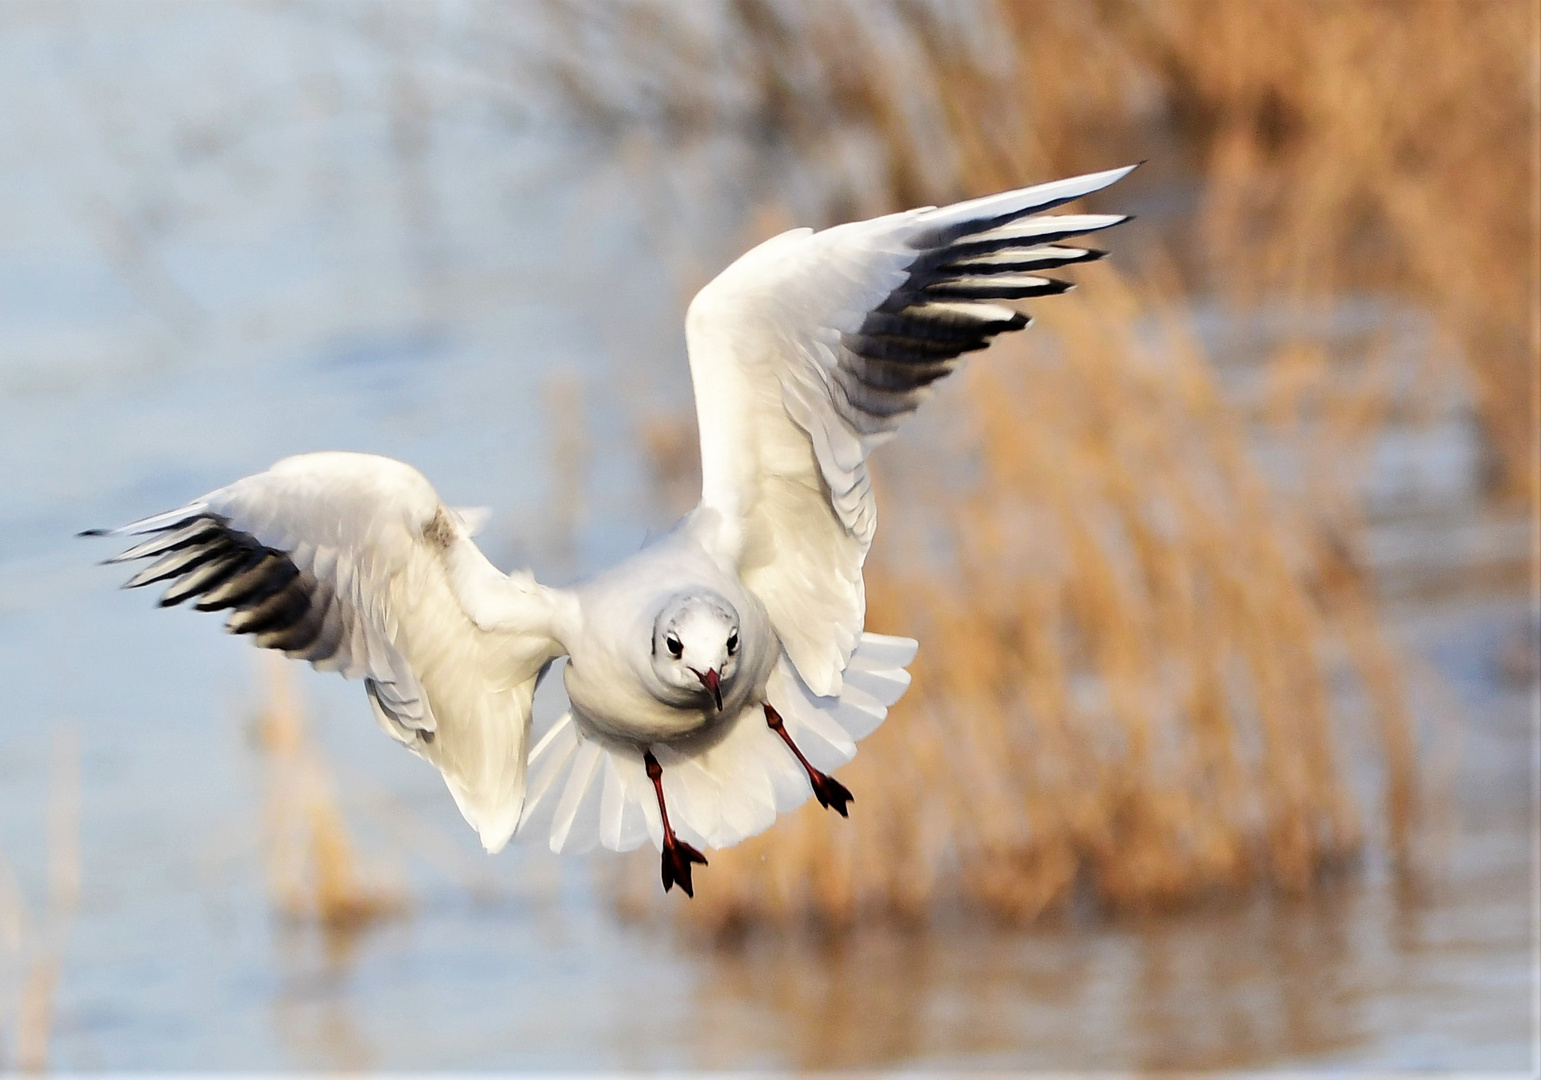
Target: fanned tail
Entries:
(588, 790)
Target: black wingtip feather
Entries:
(220, 567)
(262, 574)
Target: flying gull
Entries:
(718, 676)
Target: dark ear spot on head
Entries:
(440, 532)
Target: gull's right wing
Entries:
(352, 562)
(811, 349)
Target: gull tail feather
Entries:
(723, 786)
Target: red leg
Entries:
(831, 793)
(677, 855)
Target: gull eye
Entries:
(733, 643)
(676, 646)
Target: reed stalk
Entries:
(315, 873)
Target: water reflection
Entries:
(1323, 980)
(313, 1009)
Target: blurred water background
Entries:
(464, 235)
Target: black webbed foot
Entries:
(831, 793)
(677, 857)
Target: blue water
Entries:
(233, 232)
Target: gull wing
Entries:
(811, 349)
(351, 562)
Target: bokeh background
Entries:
(1221, 750)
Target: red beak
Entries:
(711, 682)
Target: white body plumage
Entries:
(614, 687)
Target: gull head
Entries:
(695, 644)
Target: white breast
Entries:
(609, 675)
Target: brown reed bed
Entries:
(1384, 147)
(1334, 149)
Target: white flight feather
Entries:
(452, 647)
(779, 461)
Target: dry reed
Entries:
(314, 871)
(37, 946)
(1335, 148)
(567, 461)
(1355, 147)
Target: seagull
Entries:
(719, 676)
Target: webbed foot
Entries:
(831, 793)
(677, 857)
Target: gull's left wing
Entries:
(811, 349)
(351, 562)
